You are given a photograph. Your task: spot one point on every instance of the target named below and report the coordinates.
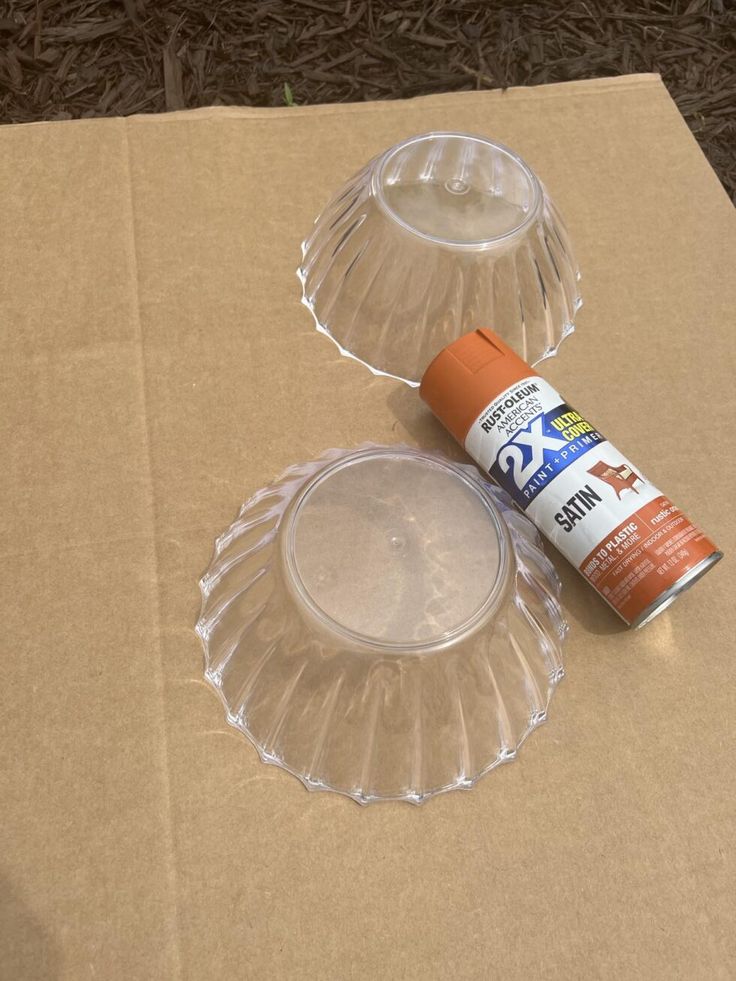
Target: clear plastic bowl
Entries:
(437, 236)
(382, 623)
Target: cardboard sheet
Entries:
(157, 368)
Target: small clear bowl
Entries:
(437, 236)
(382, 623)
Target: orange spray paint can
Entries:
(631, 543)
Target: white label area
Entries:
(574, 484)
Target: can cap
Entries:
(467, 375)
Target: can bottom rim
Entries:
(669, 596)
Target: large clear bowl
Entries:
(437, 236)
(383, 623)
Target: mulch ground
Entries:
(62, 59)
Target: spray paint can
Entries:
(631, 543)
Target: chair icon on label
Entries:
(620, 478)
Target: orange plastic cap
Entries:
(467, 375)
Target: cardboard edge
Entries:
(589, 86)
(553, 90)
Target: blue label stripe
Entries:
(539, 451)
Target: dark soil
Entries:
(61, 59)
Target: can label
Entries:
(628, 540)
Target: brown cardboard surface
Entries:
(157, 368)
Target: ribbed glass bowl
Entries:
(383, 623)
(439, 235)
